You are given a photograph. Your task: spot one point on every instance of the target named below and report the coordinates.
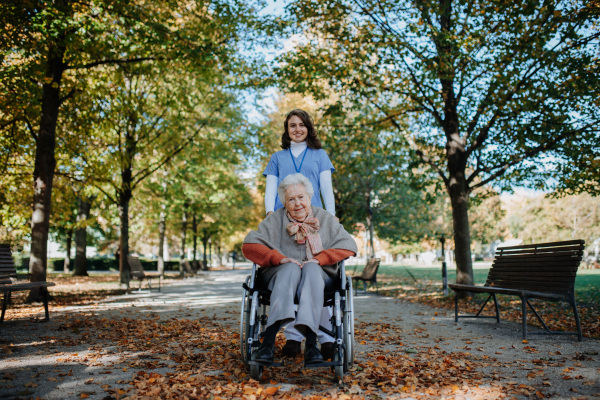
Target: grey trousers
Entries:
(287, 280)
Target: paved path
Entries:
(32, 364)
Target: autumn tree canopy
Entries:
(484, 92)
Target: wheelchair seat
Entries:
(331, 285)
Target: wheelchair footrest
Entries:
(324, 364)
(265, 364)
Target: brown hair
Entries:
(312, 140)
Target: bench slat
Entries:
(16, 287)
(544, 245)
(574, 249)
(524, 274)
(540, 257)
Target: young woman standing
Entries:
(302, 153)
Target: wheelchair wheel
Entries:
(338, 370)
(256, 372)
(348, 326)
(245, 325)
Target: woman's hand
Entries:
(313, 260)
(290, 260)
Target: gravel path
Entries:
(34, 365)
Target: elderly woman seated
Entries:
(291, 245)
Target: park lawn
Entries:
(424, 285)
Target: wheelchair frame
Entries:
(253, 322)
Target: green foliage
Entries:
(163, 70)
(523, 77)
(545, 219)
(488, 220)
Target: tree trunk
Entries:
(459, 197)
(205, 247)
(195, 234)
(83, 213)
(124, 217)
(183, 232)
(462, 234)
(456, 183)
(68, 252)
(161, 242)
(124, 195)
(44, 165)
(370, 226)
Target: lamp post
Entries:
(444, 268)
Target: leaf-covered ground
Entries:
(153, 353)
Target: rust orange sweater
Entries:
(266, 257)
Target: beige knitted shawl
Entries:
(272, 232)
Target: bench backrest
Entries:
(543, 267)
(7, 264)
(370, 270)
(135, 267)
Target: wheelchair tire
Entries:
(256, 372)
(338, 370)
(245, 324)
(348, 326)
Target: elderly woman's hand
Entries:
(313, 260)
(290, 260)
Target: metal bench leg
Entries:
(524, 313)
(4, 304)
(577, 321)
(497, 309)
(485, 304)
(456, 307)
(538, 317)
(45, 299)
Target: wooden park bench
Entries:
(136, 271)
(369, 274)
(187, 269)
(9, 282)
(542, 271)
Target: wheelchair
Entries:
(255, 310)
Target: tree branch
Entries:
(503, 167)
(115, 61)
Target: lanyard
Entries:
(301, 162)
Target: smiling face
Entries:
(297, 202)
(296, 129)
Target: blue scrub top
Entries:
(315, 162)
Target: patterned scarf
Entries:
(309, 229)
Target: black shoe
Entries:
(291, 348)
(327, 350)
(265, 353)
(312, 355)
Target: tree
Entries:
(542, 218)
(49, 47)
(148, 117)
(373, 183)
(481, 91)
